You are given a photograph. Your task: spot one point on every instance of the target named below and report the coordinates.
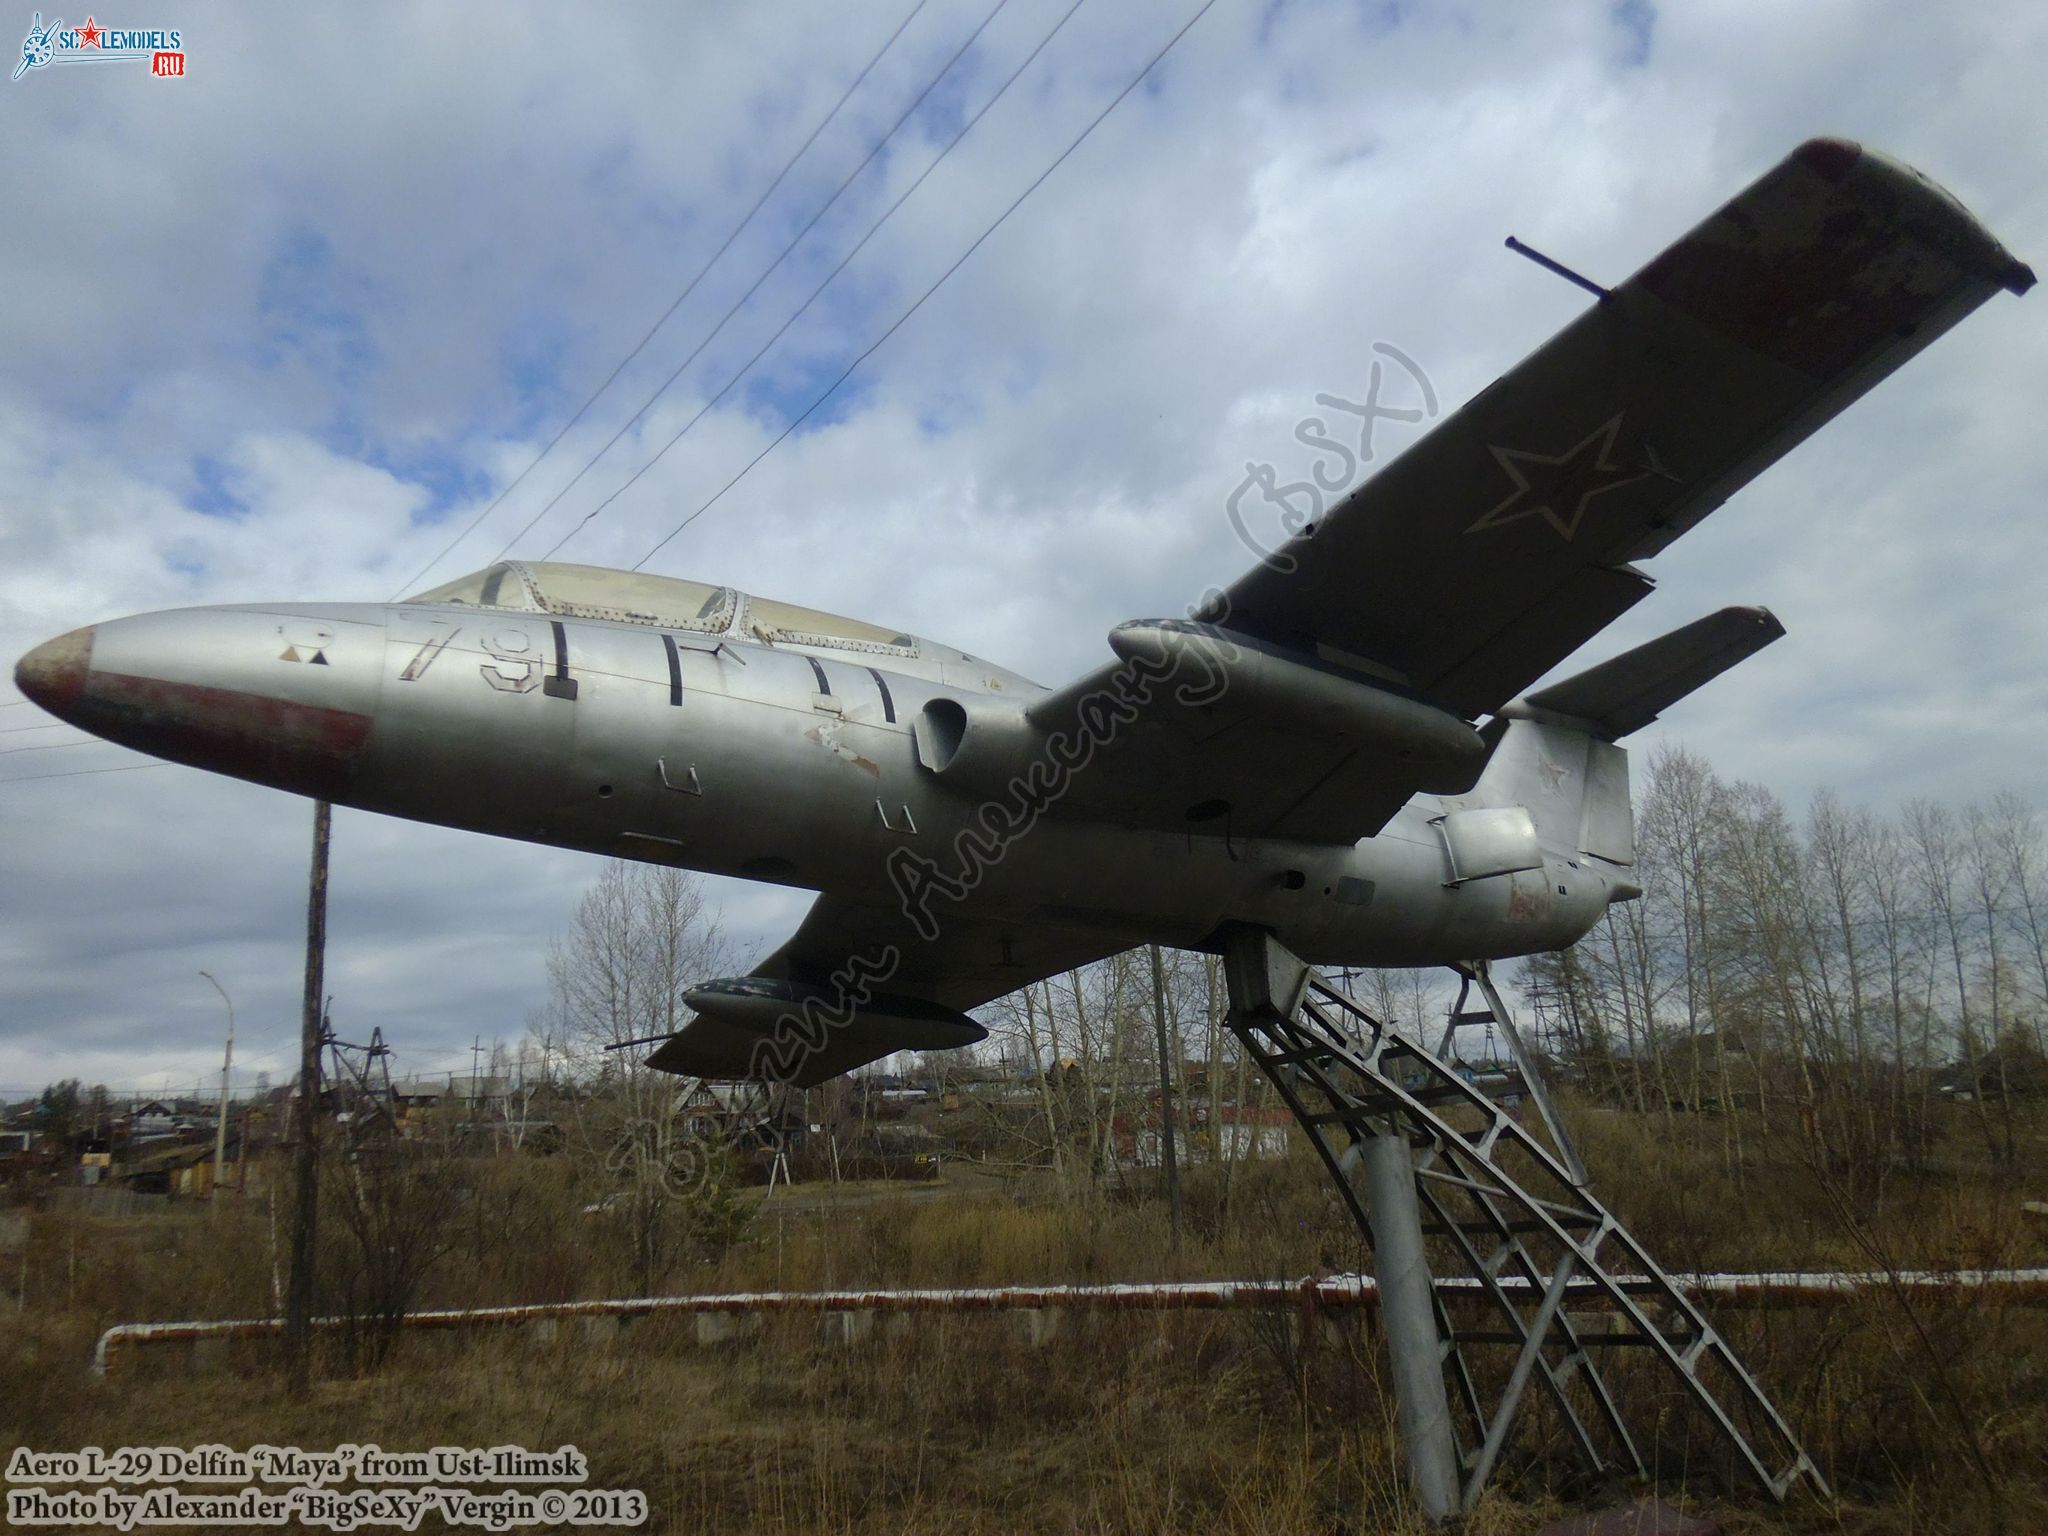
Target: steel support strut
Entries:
(1456, 1188)
(1408, 1314)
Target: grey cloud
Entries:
(491, 206)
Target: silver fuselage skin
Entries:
(734, 756)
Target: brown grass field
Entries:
(1933, 1419)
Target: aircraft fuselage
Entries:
(740, 756)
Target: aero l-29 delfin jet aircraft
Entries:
(1337, 748)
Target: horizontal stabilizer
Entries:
(1628, 692)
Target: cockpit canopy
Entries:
(665, 602)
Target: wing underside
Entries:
(877, 985)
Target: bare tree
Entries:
(527, 1078)
(1045, 1066)
(1624, 973)
(396, 1198)
(1684, 819)
(1852, 963)
(1931, 829)
(1882, 873)
(640, 938)
(1988, 867)
(2018, 831)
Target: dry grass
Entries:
(1935, 1421)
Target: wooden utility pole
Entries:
(298, 1314)
(1166, 1107)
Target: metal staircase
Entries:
(1512, 1246)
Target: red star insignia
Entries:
(89, 34)
(1557, 486)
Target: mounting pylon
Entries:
(361, 1075)
(1453, 1180)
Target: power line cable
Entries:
(1153, 62)
(934, 288)
(79, 773)
(688, 288)
(52, 746)
(845, 96)
(802, 309)
(769, 271)
(16, 730)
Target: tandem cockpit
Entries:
(674, 603)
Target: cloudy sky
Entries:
(278, 330)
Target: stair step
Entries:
(1376, 1080)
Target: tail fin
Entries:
(1554, 750)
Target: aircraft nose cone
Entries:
(54, 673)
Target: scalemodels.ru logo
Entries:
(162, 49)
